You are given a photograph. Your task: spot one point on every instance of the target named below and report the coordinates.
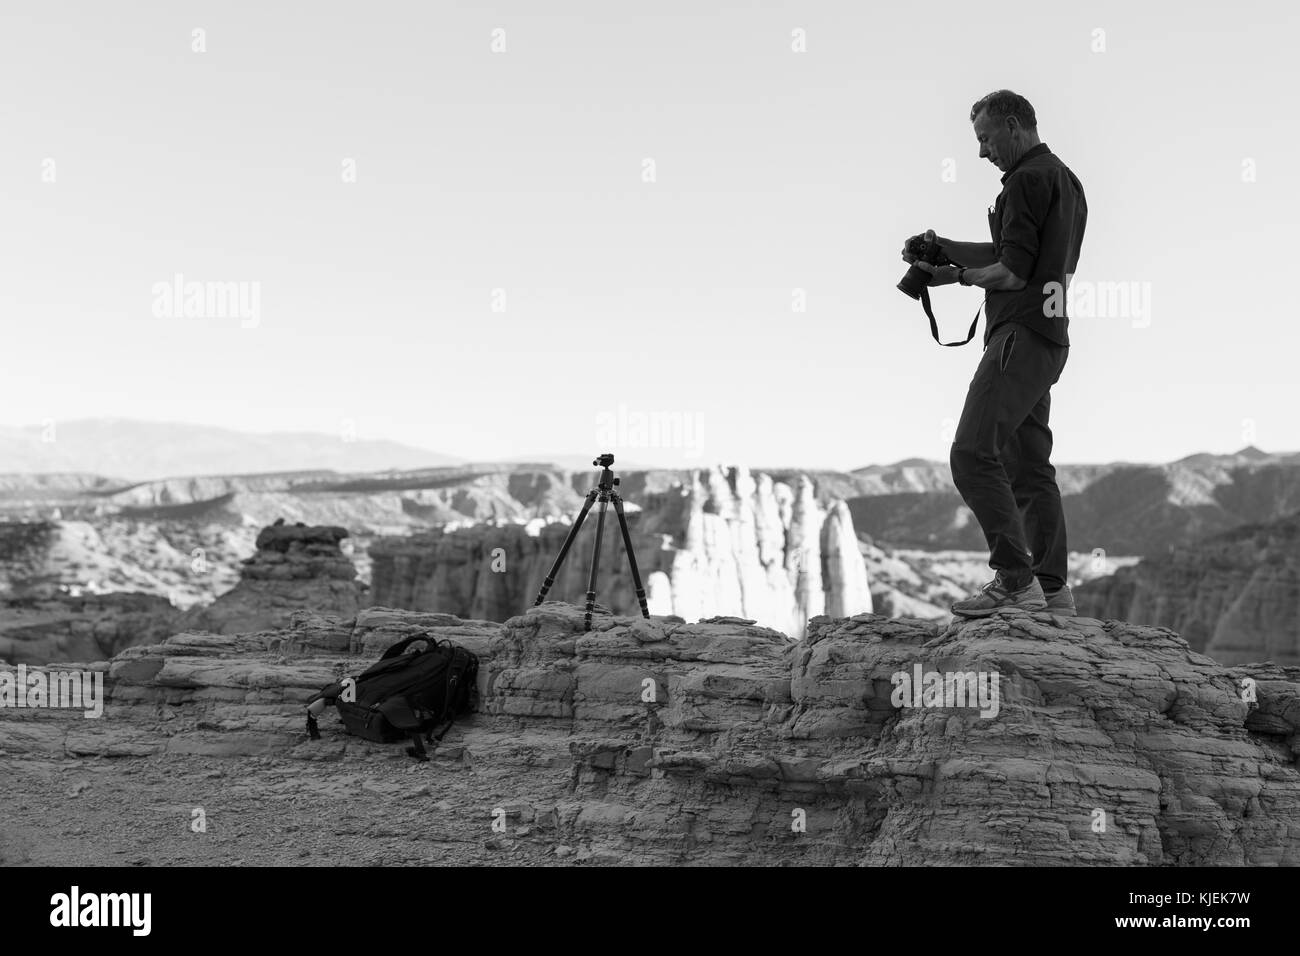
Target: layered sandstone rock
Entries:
(723, 742)
(1235, 596)
(295, 567)
(728, 542)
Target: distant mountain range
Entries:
(129, 451)
(118, 451)
(113, 452)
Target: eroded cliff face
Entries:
(727, 542)
(661, 741)
(1235, 596)
(1125, 509)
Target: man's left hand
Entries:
(939, 275)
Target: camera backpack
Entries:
(406, 695)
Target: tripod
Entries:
(605, 489)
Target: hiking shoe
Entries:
(995, 596)
(1061, 603)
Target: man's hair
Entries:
(1003, 103)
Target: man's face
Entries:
(996, 139)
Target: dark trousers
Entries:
(1000, 454)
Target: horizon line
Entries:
(546, 458)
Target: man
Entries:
(1000, 451)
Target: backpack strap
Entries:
(416, 749)
(460, 662)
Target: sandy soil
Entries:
(376, 808)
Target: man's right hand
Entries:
(928, 236)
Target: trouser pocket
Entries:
(1008, 344)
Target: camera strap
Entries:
(934, 326)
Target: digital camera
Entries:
(917, 279)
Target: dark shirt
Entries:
(1037, 225)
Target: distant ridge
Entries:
(88, 451)
(582, 462)
(1249, 454)
(135, 451)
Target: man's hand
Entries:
(939, 275)
(928, 236)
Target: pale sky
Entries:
(524, 171)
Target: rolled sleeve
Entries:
(1028, 198)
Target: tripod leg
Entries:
(631, 558)
(573, 533)
(595, 560)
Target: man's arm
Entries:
(973, 255)
(997, 276)
(1028, 198)
(982, 269)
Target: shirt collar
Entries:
(1028, 154)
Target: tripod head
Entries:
(607, 479)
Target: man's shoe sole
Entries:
(1039, 606)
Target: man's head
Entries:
(1005, 126)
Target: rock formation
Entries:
(847, 590)
(718, 742)
(1235, 596)
(294, 567)
(726, 543)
